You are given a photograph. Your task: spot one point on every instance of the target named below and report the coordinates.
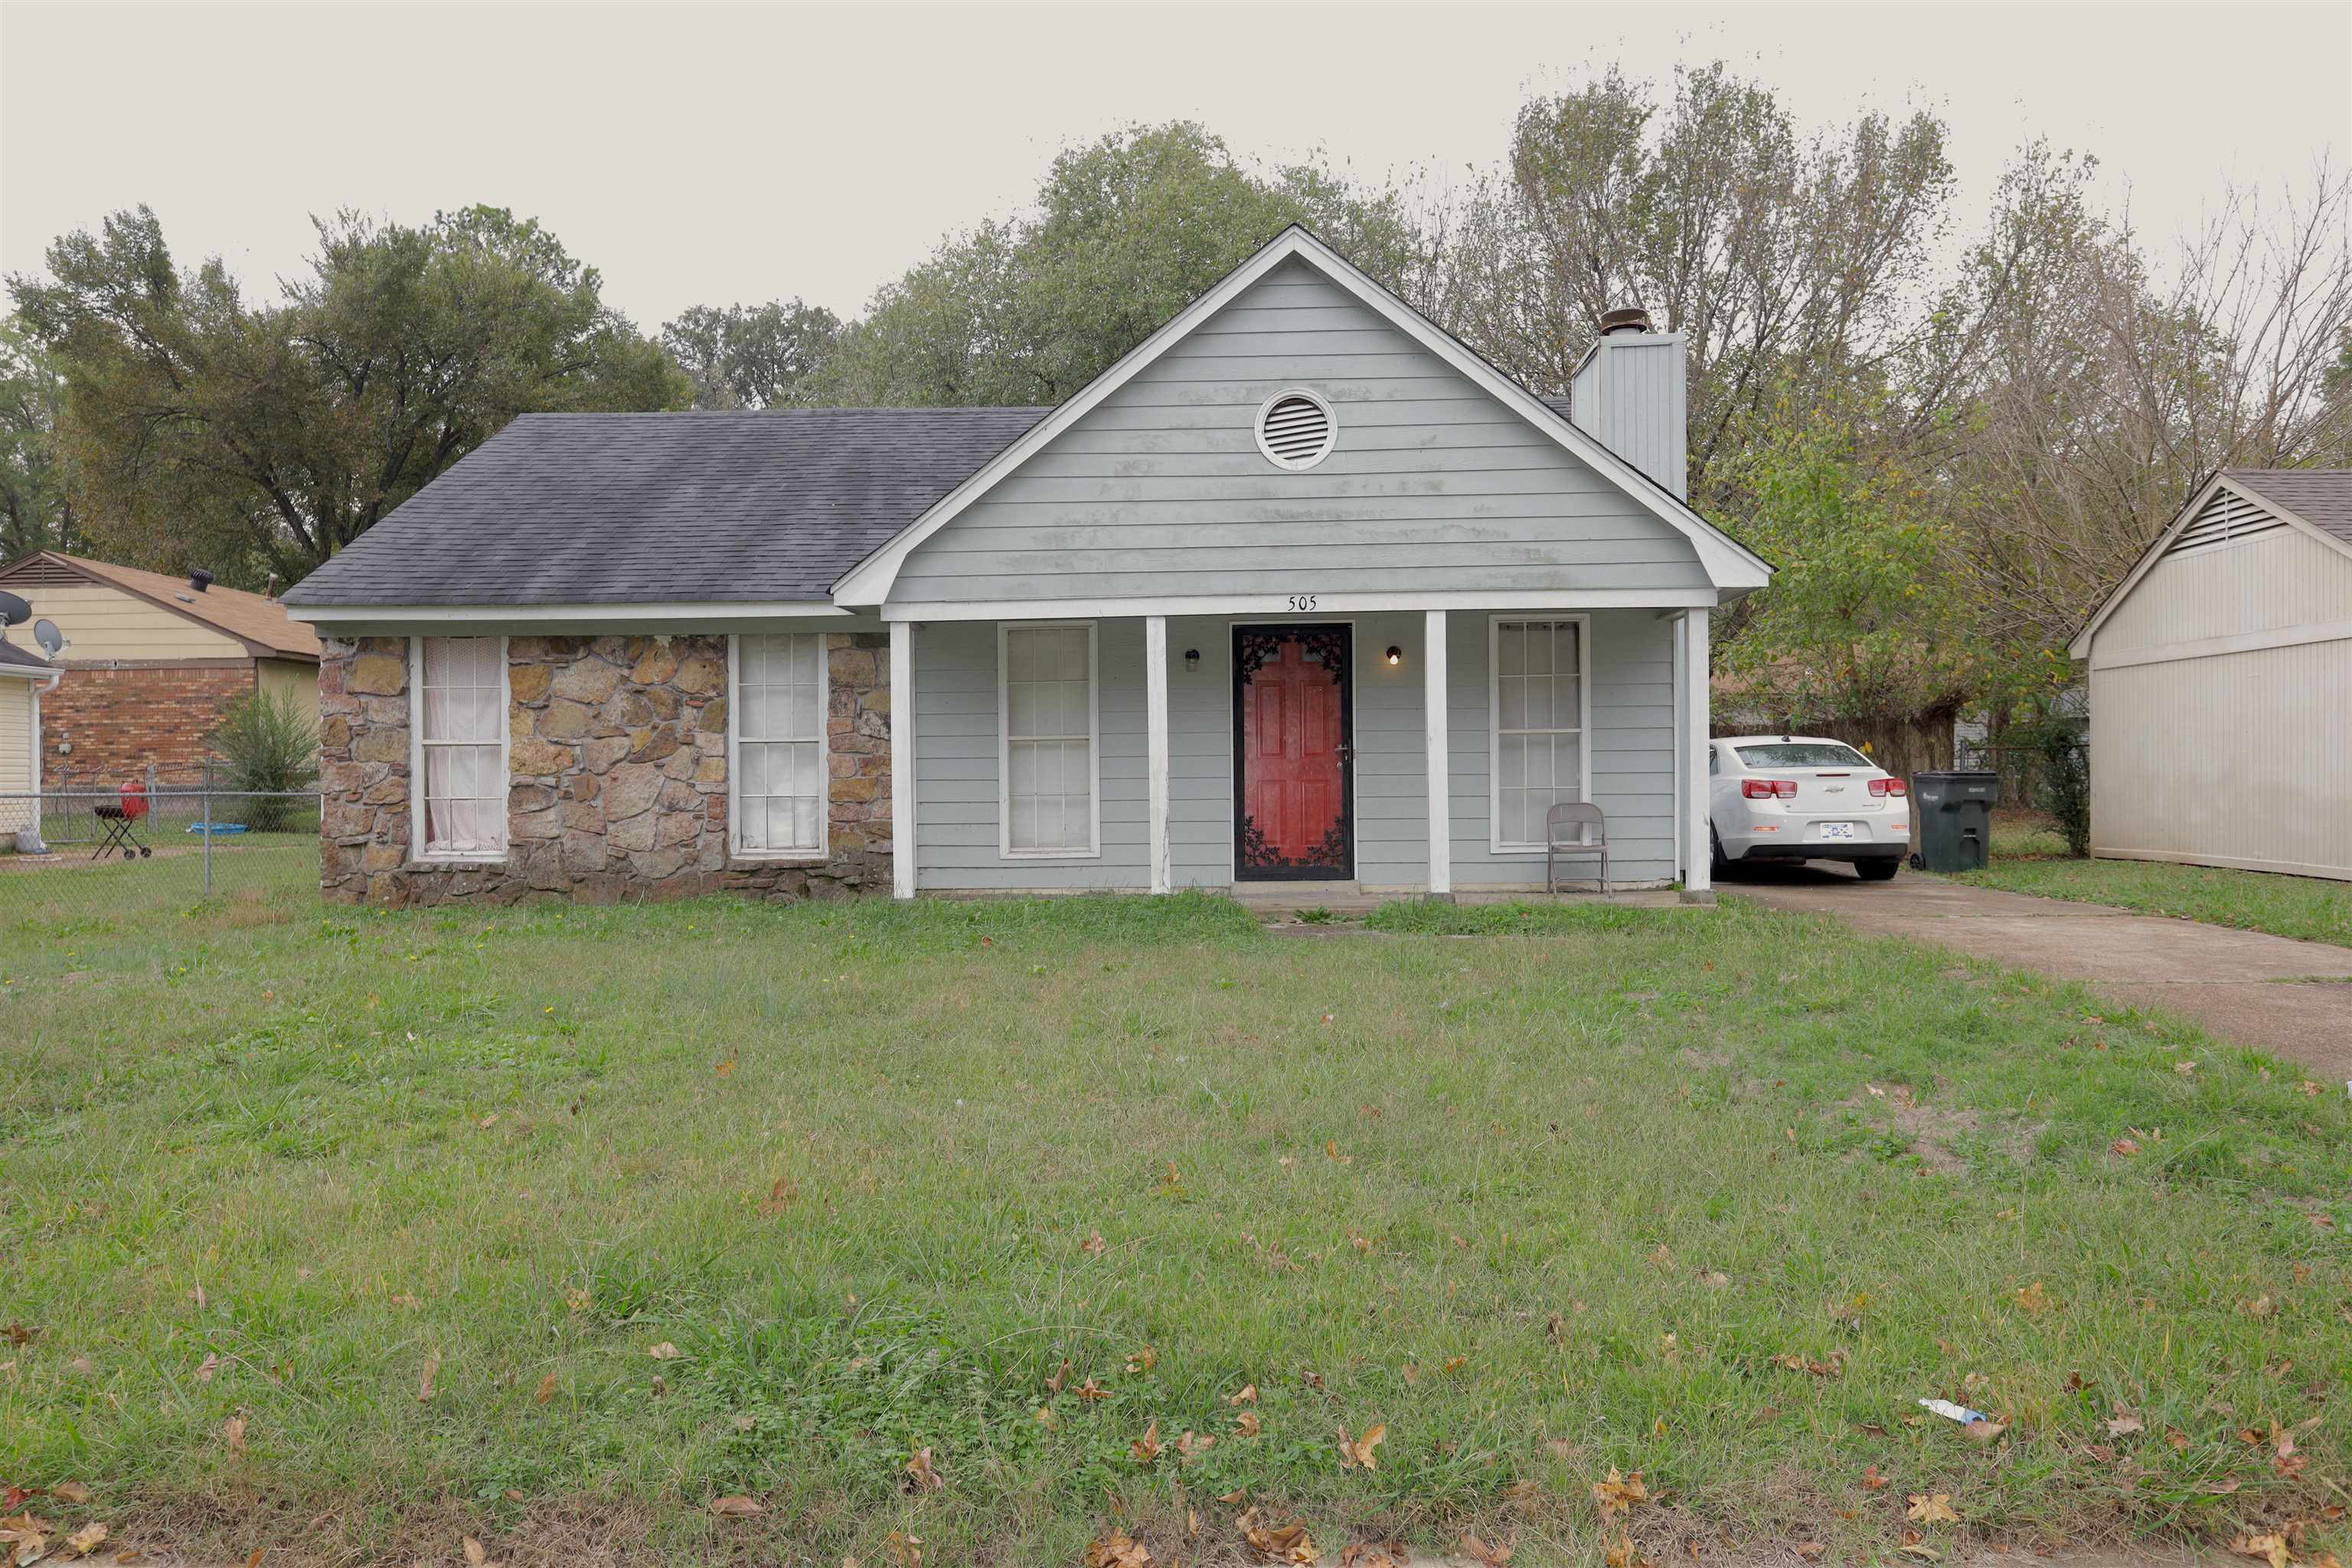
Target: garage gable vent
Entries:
(1294, 429)
(40, 573)
(2228, 518)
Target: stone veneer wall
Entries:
(618, 786)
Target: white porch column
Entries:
(1155, 694)
(1432, 702)
(1681, 682)
(902, 759)
(1699, 878)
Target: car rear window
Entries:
(1802, 754)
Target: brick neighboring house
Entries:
(151, 664)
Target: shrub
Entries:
(2066, 780)
(270, 744)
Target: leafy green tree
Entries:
(1124, 233)
(752, 356)
(258, 438)
(37, 509)
(1853, 634)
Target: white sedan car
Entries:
(1803, 797)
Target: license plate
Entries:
(1838, 830)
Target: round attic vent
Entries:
(1294, 429)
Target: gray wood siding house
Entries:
(1300, 590)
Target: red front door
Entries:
(1293, 754)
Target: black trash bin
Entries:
(1955, 819)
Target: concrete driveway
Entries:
(2248, 987)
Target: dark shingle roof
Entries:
(12, 657)
(2321, 497)
(569, 509)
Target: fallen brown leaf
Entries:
(1118, 1550)
(735, 1507)
(70, 1491)
(922, 1475)
(1486, 1554)
(85, 1541)
(1147, 1448)
(1618, 1493)
(546, 1390)
(1248, 1395)
(1931, 1509)
(425, 1382)
(1359, 1450)
(233, 1429)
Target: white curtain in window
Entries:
(1538, 724)
(463, 728)
(780, 769)
(1049, 739)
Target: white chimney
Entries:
(1629, 394)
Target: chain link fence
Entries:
(69, 854)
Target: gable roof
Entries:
(254, 619)
(1728, 563)
(2320, 496)
(14, 660)
(2316, 500)
(743, 506)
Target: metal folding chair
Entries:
(1564, 827)
(119, 824)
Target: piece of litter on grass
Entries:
(1951, 1411)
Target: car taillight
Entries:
(1889, 786)
(1764, 789)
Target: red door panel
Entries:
(1292, 758)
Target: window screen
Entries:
(1049, 741)
(462, 734)
(1537, 714)
(779, 715)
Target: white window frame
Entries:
(735, 847)
(417, 849)
(1495, 843)
(1005, 742)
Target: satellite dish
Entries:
(52, 641)
(12, 610)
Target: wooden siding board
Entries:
(955, 705)
(1452, 491)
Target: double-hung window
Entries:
(458, 758)
(1537, 709)
(1050, 735)
(776, 726)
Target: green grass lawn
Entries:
(2028, 856)
(350, 1234)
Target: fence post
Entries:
(208, 827)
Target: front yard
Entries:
(2030, 856)
(1000, 1226)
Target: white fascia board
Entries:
(1728, 563)
(587, 615)
(1279, 606)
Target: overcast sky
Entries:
(704, 155)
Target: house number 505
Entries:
(1302, 601)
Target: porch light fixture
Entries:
(1396, 654)
(1191, 659)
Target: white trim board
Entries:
(2079, 646)
(2216, 648)
(599, 616)
(1728, 565)
(1257, 606)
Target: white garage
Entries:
(2221, 681)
